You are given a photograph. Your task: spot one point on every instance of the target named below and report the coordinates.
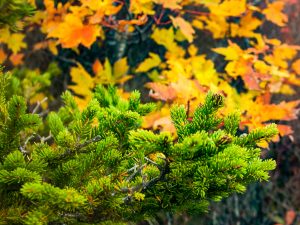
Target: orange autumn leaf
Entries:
(263, 64)
(290, 109)
(290, 217)
(284, 130)
(274, 13)
(16, 59)
(187, 90)
(3, 56)
(53, 15)
(184, 26)
(253, 78)
(97, 17)
(296, 66)
(73, 32)
(97, 66)
(164, 124)
(281, 54)
(159, 120)
(40, 45)
(161, 92)
(140, 21)
(48, 44)
(282, 111)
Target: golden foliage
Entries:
(183, 74)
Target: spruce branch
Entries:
(152, 162)
(38, 105)
(79, 148)
(145, 185)
(138, 170)
(101, 166)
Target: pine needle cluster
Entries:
(12, 11)
(97, 166)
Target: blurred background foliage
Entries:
(173, 52)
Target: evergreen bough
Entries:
(12, 11)
(98, 166)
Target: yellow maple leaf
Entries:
(198, 24)
(274, 13)
(149, 63)
(281, 54)
(261, 67)
(120, 68)
(231, 52)
(14, 41)
(246, 27)
(177, 67)
(237, 68)
(83, 84)
(106, 7)
(216, 24)
(228, 8)
(166, 37)
(192, 50)
(275, 71)
(103, 72)
(108, 74)
(169, 4)
(142, 7)
(204, 70)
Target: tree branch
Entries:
(77, 149)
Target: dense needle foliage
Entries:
(13, 11)
(99, 166)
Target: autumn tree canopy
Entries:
(208, 45)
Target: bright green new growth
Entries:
(98, 166)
